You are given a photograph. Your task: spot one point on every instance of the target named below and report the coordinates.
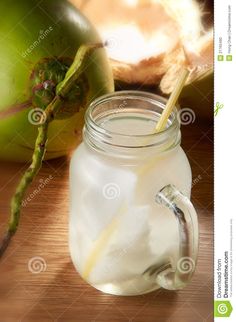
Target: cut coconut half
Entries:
(200, 60)
(145, 38)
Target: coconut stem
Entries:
(63, 88)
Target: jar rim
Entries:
(100, 138)
(135, 94)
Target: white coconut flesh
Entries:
(145, 38)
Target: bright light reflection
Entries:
(129, 43)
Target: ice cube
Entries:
(128, 253)
(99, 191)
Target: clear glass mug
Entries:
(132, 226)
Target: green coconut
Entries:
(199, 95)
(39, 40)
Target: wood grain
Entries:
(58, 293)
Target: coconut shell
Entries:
(142, 35)
(199, 95)
(184, 23)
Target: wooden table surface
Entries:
(58, 293)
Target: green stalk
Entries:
(62, 90)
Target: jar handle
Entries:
(179, 273)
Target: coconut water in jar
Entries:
(133, 228)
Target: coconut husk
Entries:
(145, 41)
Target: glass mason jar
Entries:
(132, 228)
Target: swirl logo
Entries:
(222, 308)
(37, 265)
(111, 42)
(187, 116)
(111, 191)
(186, 265)
(37, 116)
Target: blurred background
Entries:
(148, 41)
